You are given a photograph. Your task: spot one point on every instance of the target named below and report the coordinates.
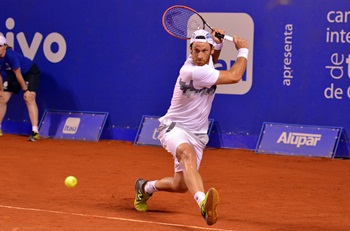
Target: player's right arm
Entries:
(235, 73)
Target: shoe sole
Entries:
(33, 140)
(210, 206)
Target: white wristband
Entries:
(218, 46)
(243, 52)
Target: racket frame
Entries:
(217, 34)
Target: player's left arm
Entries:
(216, 55)
(218, 44)
(235, 73)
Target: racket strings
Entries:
(181, 22)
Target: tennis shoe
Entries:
(141, 198)
(34, 136)
(208, 206)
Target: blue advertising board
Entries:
(115, 56)
(298, 140)
(148, 131)
(72, 125)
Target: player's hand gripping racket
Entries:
(181, 21)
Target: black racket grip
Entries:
(222, 36)
(219, 35)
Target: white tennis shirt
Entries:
(192, 97)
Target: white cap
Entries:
(2, 40)
(202, 36)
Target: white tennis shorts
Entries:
(172, 137)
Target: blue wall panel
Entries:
(114, 56)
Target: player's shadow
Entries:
(117, 207)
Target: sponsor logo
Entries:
(139, 195)
(299, 139)
(155, 134)
(54, 45)
(71, 126)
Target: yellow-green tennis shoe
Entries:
(208, 206)
(34, 136)
(141, 198)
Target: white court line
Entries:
(112, 218)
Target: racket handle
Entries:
(229, 38)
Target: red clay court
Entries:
(258, 192)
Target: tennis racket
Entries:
(181, 21)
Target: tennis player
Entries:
(183, 129)
(21, 74)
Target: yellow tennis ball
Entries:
(70, 181)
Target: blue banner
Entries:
(115, 56)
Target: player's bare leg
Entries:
(187, 180)
(187, 157)
(172, 184)
(191, 180)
